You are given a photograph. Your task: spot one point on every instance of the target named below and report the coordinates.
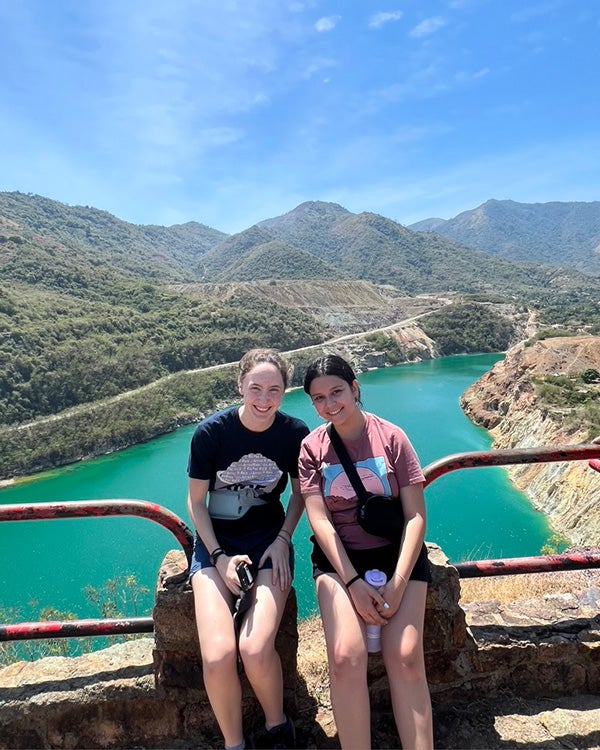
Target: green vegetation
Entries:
(115, 423)
(574, 311)
(117, 598)
(555, 544)
(574, 398)
(56, 353)
(468, 328)
(389, 346)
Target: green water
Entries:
(473, 513)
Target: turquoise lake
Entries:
(471, 514)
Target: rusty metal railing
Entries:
(154, 512)
(506, 457)
(91, 509)
(514, 565)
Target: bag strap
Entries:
(346, 462)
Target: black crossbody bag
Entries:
(380, 515)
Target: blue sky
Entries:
(229, 112)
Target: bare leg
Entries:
(214, 622)
(347, 656)
(257, 647)
(402, 650)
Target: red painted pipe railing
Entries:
(154, 512)
(507, 457)
(514, 565)
(29, 631)
(91, 509)
(99, 508)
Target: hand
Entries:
(279, 552)
(392, 593)
(368, 602)
(226, 568)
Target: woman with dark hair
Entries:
(343, 551)
(239, 463)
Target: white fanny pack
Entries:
(232, 504)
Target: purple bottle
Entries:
(377, 579)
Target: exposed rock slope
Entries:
(504, 401)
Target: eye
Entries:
(317, 399)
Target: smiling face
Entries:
(262, 389)
(335, 400)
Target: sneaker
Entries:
(283, 736)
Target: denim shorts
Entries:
(253, 544)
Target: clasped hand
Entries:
(369, 603)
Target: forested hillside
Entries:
(562, 234)
(91, 306)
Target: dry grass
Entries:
(506, 589)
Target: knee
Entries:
(407, 663)
(219, 659)
(256, 655)
(345, 665)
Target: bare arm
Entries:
(279, 549)
(413, 534)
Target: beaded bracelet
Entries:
(353, 580)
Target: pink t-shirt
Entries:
(385, 461)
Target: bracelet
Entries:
(285, 531)
(402, 578)
(353, 580)
(215, 554)
(287, 541)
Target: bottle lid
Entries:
(375, 577)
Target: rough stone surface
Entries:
(504, 401)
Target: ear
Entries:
(355, 389)
(239, 385)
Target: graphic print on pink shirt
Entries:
(372, 473)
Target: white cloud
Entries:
(379, 19)
(428, 26)
(327, 23)
(317, 65)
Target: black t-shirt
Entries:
(233, 457)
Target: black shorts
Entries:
(383, 558)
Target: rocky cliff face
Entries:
(504, 401)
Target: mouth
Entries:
(262, 409)
(334, 412)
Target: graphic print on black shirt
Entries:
(252, 470)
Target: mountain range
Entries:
(501, 246)
(91, 305)
(562, 234)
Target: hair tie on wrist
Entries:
(287, 541)
(352, 580)
(402, 578)
(215, 554)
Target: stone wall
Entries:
(148, 692)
